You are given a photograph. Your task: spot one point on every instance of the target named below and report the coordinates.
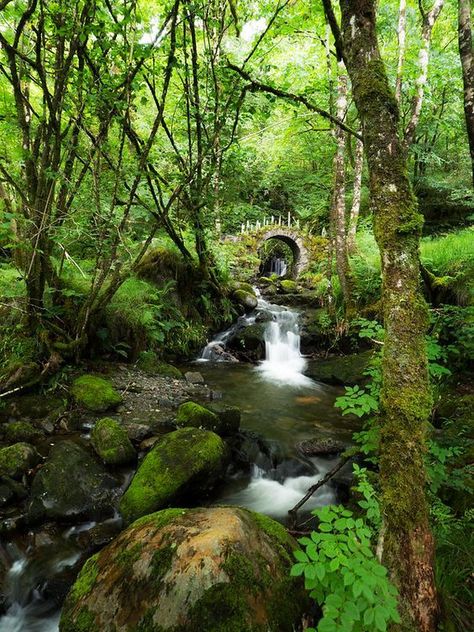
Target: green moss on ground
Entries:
(111, 442)
(95, 393)
(148, 361)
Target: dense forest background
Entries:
(146, 146)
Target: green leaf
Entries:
(300, 556)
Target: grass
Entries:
(450, 255)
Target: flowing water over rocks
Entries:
(281, 407)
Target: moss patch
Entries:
(95, 393)
(111, 442)
(21, 431)
(288, 287)
(148, 361)
(194, 415)
(17, 459)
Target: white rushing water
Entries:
(283, 362)
(275, 498)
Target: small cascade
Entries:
(278, 266)
(269, 493)
(26, 582)
(283, 360)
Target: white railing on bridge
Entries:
(272, 221)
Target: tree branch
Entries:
(257, 86)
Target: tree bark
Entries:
(356, 196)
(467, 63)
(405, 396)
(338, 206)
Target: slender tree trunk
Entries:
(467, 63)
(405, 396)
(402, 33)
(356, 195)
(338, 211)
(429, 20)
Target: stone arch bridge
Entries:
(305, 248)
(297, 241)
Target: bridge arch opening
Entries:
(280, 255)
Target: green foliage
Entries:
(356, 401)
(341, 571)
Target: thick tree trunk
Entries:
(467, 63)
(356, 196)
(405, 397)
(338, 211)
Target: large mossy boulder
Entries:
(220, 569)
(71, 485)
(95, 393)
(246, 300)
(110, 440)
(186, 461)
(17, 459)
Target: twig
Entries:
(314, 488)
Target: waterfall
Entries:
(278, 266)
(283, 360)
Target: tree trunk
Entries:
(467, 63)
(338, 211)
(401, 32)
(405, 396)
(356, 195)
(429, 20)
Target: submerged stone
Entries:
(110, 440)
(220, 569)
(95, 393)
(71, 485)
(186, 461)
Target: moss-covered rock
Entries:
(248, 342)
(70, 485)
(220, 569)
(223, 420)
(148, 361)
(347, 369)
(110, 441)
(21, 431)
(247, 300)
(186, 461)
(95, 393)
(18, 459)
(288, 286)
(192, 414)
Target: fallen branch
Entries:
(314, 488)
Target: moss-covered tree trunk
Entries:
(405, 398)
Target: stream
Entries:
(280, 407)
